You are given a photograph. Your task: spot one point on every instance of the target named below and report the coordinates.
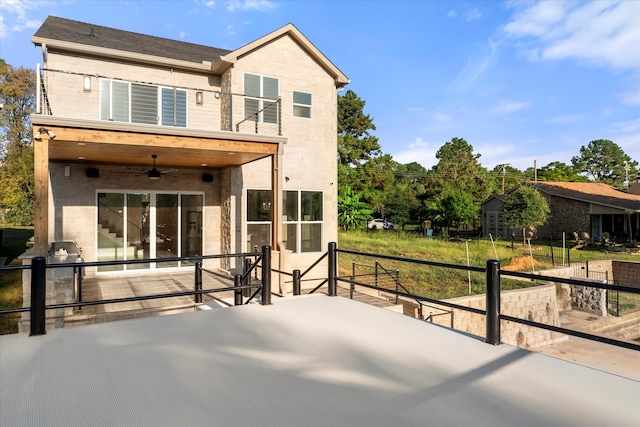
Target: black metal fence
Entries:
(492, 272)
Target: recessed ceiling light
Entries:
(203, 164)
(81, 143)
(231, 154)
(80, 158)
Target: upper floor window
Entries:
(128, 102)
(301, 104)
(261, 93)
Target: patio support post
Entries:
(493, 302)
(296, 282)
(38, 295)
(237, 292)
(266, 275)
(333, 269)
(198, 282)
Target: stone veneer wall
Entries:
(537, 304)
(626, 273)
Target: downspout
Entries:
(278, 185)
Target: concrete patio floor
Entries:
(306, 360)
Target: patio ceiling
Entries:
(132, 145)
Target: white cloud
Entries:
(452, 13)
(596, 33)
(419, 151)
(441, 117)
(566, 119)
(21, 9)
(476, 66)
(183, 34)
(258, 5)
(472, 15)
(505, 107)
(630, 98)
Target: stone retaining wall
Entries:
(626, 273)
(537, 304)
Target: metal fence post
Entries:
(38, 296)
(296, 282)
(237, 292)
(247, 281)
(198, 282)
(333, 269)
(493, 302)
(352, 286)
(266, 275)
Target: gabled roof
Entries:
(95, 39)
(590, 192)
(290, 30)
(90, 39)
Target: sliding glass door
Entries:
(141, 226)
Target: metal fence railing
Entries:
(492, 272)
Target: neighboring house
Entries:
(148, 147)
(588, 207)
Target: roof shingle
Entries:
(592, 192)
(67, 30)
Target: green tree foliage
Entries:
(17, 94)
(355, 143)
(402, 202)
(605, 161)
(560, 172)
(458, 171)
(454, 209)
(352, 213)
(525, 207)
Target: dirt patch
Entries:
(520, 263)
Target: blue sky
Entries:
(521, 81)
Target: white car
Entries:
(379, 224)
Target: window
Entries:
(261, 93)
(303, 221)
(139, 103)
(259, 215)
(301, 104)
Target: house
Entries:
(591, 207)
(149, 148)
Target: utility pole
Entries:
(504, 172)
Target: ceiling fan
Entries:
(154, 173)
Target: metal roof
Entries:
(306, 360)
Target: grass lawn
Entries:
(441, 283)
(13, 245)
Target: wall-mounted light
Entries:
(217, 95)
(86, 83)
(38, 134)
(199, 98)
(67, 171)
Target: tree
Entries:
(560, 172)
(605, 161)
(352, 213)
(355, 144)
(402, 201)
(454, 209)
(17, 94)
(525, 207)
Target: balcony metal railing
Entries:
(238, 112)
(492, 272)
